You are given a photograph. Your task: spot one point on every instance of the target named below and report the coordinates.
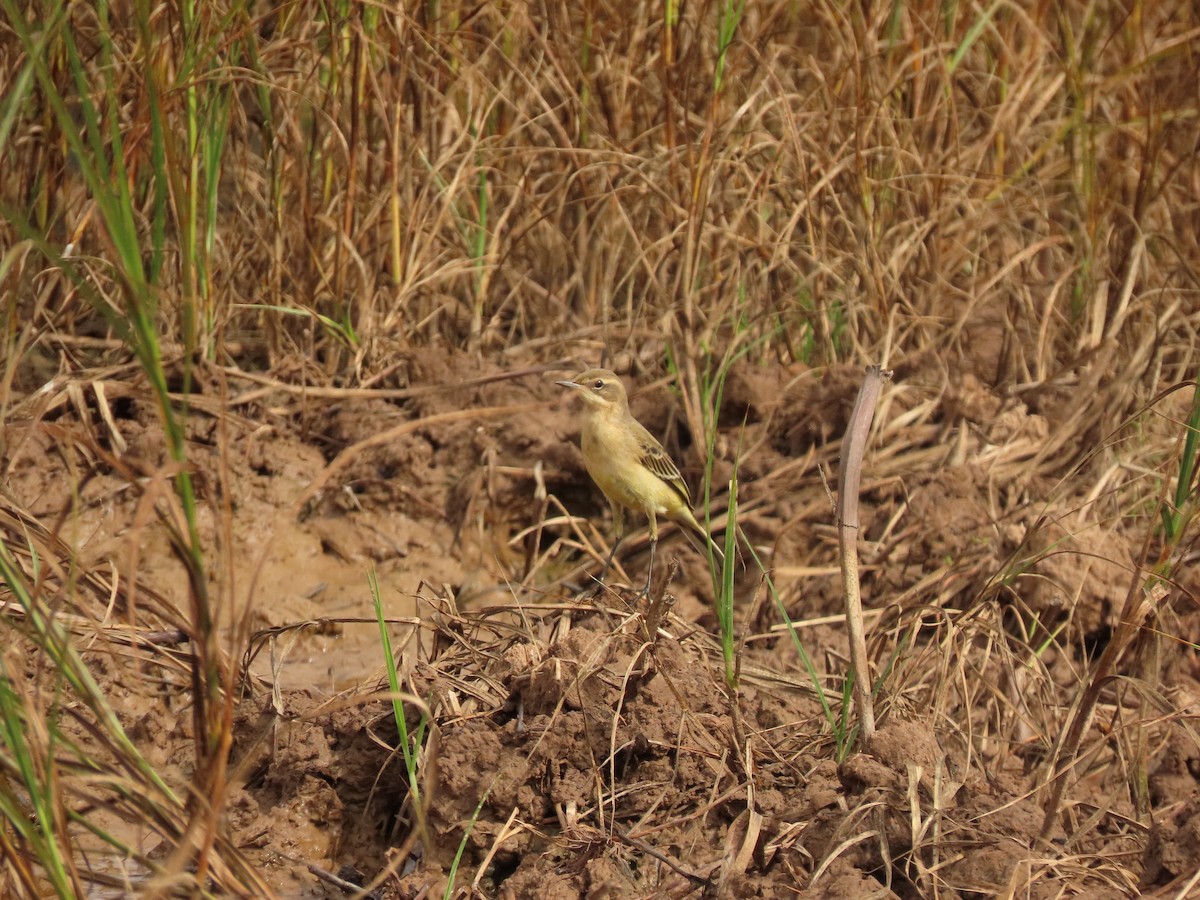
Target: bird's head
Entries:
(601, 389)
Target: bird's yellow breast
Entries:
(612, 455)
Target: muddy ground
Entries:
(587, 744)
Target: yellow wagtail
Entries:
(630, 466)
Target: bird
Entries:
(629, 466)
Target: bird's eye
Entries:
(599, 383)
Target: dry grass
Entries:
(229, 221)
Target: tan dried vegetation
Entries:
(285, 288)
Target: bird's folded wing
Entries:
(654, 458)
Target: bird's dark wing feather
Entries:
(655, 458)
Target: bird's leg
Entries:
(653, 547)
(618, 517)
(650, 570)
(608, 562)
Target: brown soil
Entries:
(575, 748)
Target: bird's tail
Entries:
(703, 541)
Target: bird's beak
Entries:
(570, 384)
